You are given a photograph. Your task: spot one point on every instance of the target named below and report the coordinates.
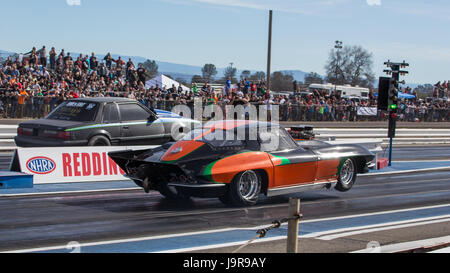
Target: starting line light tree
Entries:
(388, 96)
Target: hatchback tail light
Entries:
(57, 134)
(64, 135)
(24, 131)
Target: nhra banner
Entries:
(68, 165)
(367, 111)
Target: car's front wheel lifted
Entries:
(244, 190)
(347, 175)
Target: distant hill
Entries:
(5, 54)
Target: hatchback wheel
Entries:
(99, 141)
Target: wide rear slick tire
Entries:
(347, 175)
(244, 190)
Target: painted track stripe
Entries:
(411, 245)
(382, 228)
(173, 242)
(443, 251)
(68, 192)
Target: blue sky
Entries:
(222, 31)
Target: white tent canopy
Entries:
(164, 81)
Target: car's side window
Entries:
(110, 114)
(131, 112)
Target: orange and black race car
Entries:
(237, 161)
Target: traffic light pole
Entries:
(393, 111)
(392, 98)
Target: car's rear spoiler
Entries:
(136, 168)
(125, 158)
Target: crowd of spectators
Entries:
(33, 84)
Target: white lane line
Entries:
(418, 160)
(9, 126)
(137, 239)
(239, 243)
(66, 192)
(276, 238)
(383, 227)
(444, 251)
(3, 148)
(221, 230)
(405, 171)
(411, 245)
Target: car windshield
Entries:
(276, 140)
(216, 138)
(75, 111)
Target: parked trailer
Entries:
(341, 90)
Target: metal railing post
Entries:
(292, 238)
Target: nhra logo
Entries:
(41, 165)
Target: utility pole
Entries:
(269, 53)
(338, 47)
(392, 93)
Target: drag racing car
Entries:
(103, 122)
(237, 161)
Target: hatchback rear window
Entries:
(75, 111)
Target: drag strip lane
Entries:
(29, 222)
(356, 224)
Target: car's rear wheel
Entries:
(244, 190)
(347, 175)
(99, 141)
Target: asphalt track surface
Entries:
(40, 221)
(48, 220)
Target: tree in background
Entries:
(208, 72)
(281, 81)
(257, 76)
(424, 91)
(351, 65)
(313, 77)
(230, 72)
(245, 74)
(151, 69)
(197, 79)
